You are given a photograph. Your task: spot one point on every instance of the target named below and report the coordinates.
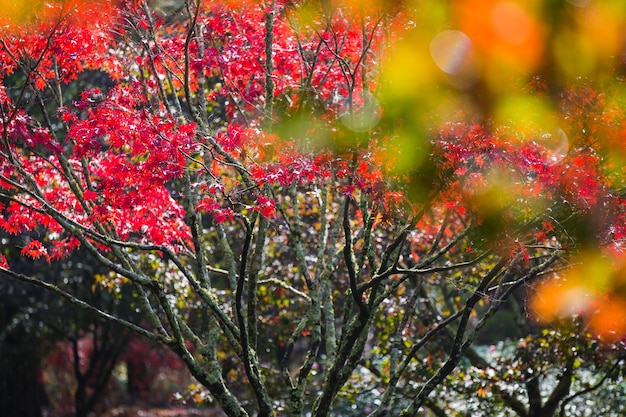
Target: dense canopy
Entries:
(326, 191)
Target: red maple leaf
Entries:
(35, 250)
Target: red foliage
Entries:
(187, 128)
(125, 148)
(144, 360)
(35, 250)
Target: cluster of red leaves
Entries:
(127, 156)
(293, 168)
(69, 37)
(326, 61)
(497, 174)
(132, 156)
(212, 206)
(156, 147)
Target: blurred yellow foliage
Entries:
(18, 10)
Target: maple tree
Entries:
(295, 190)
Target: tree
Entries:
(92, 346)
(304, 196)
(34, 324)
